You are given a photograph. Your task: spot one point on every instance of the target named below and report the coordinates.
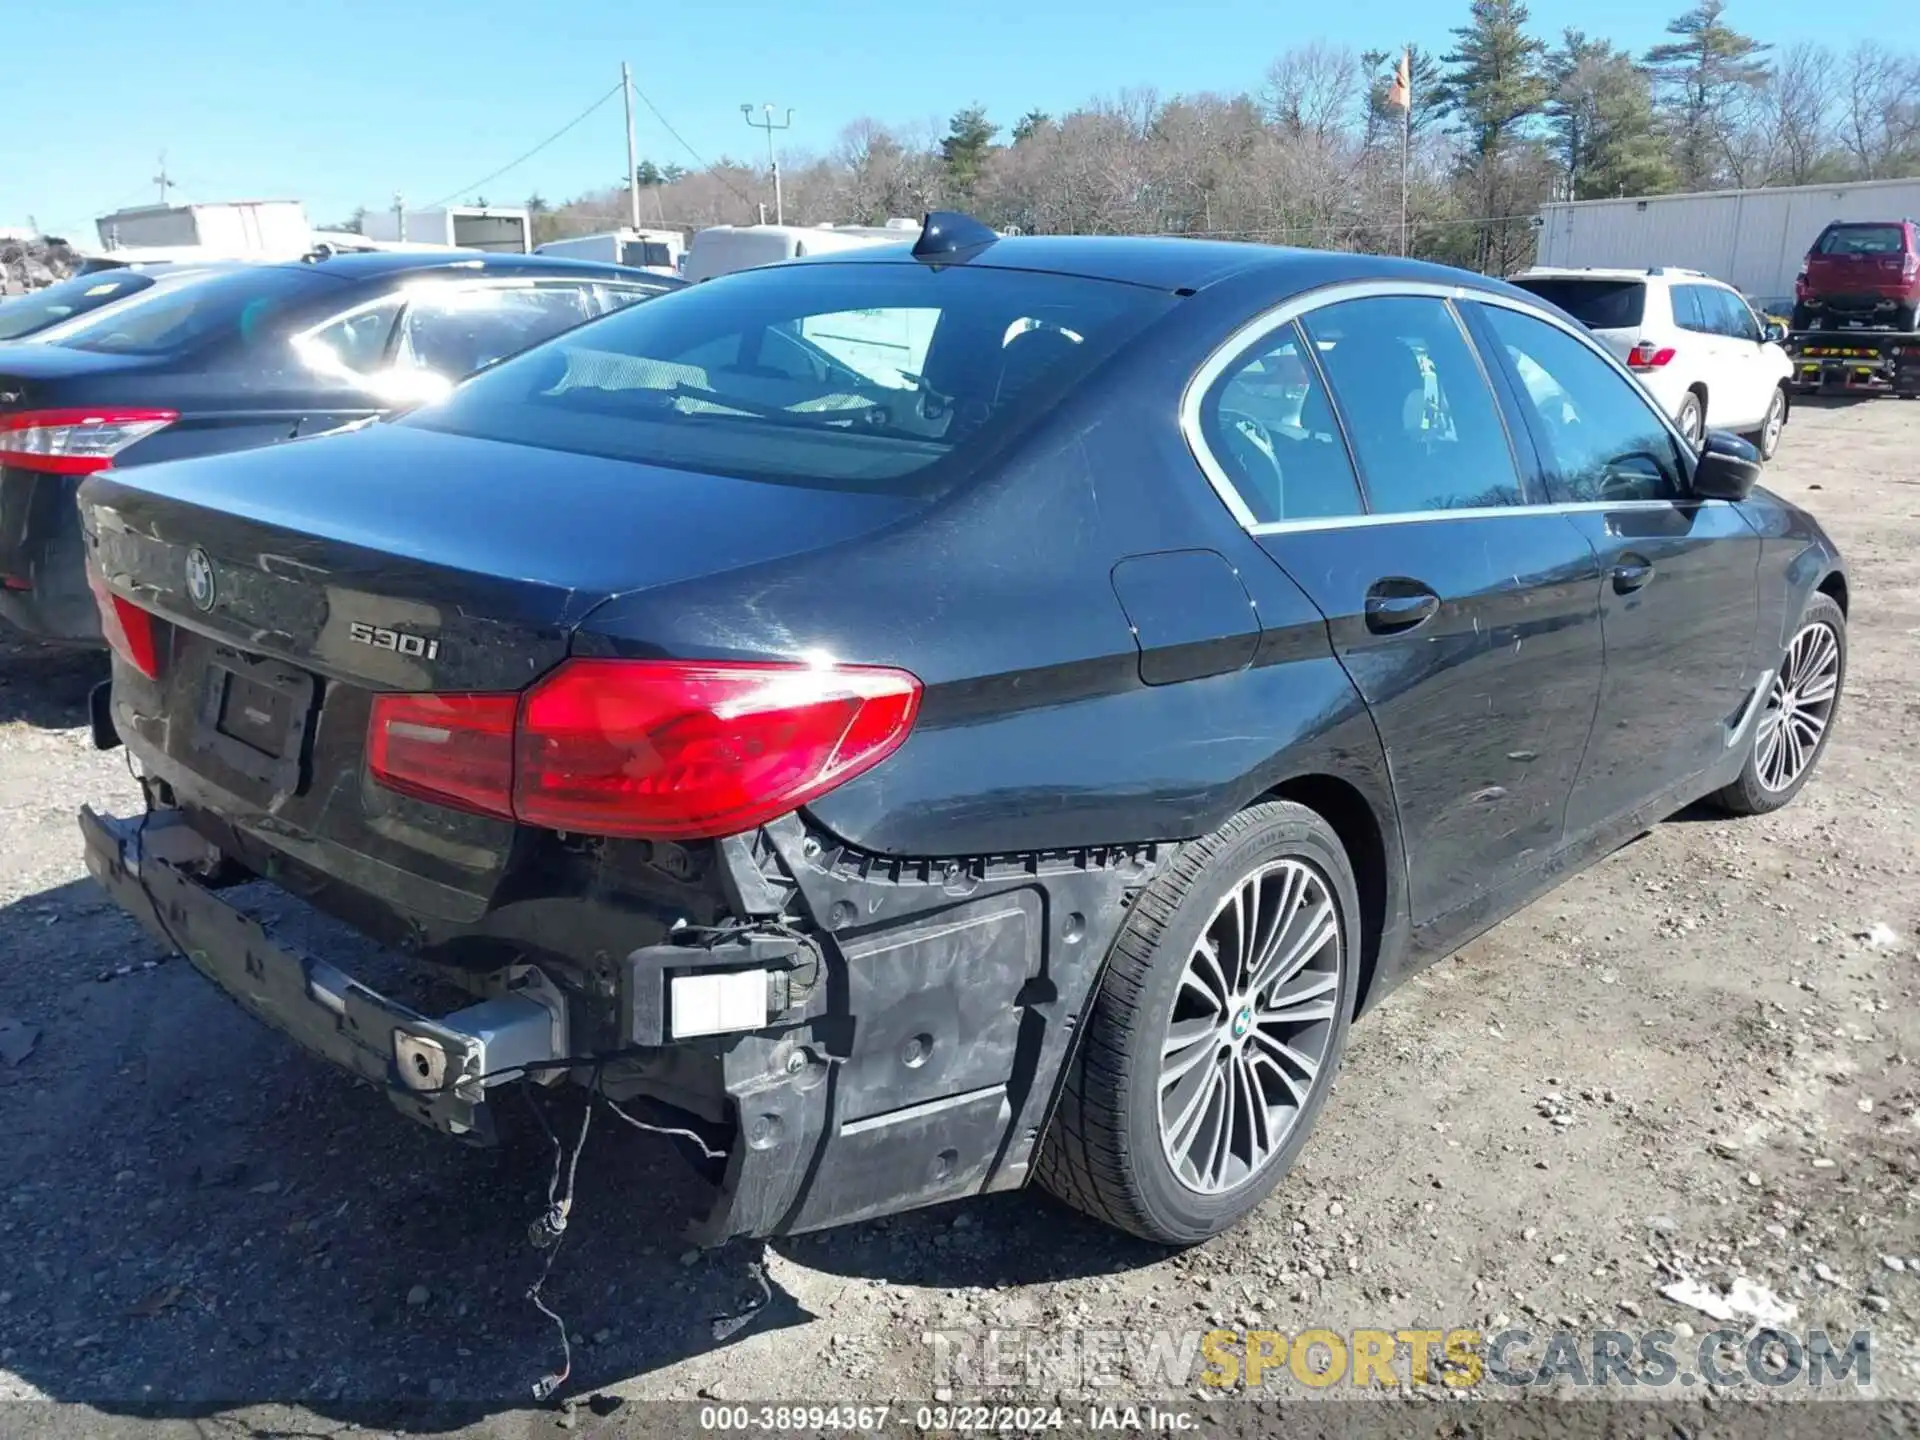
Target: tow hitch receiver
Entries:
(436, 1070)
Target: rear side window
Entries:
(460, 330)
(1862, 240)
(28, 314)
(863, 375)
(1690, 311)
(1417, 407)
(1597, 304)
(1269, 426)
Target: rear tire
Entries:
(1176, 1052)
(1797, 714)
(1802, 318)
(1907, 318)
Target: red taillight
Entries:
(1910, 266)
(454, 749)
(1800, 286)
(1645, 356)
(74, 442)
(128, 629)
(661, 749)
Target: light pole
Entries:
(769, 124)
(633, 179)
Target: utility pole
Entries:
(399, 217)
(633, 176)
(163, 180)
(769, 124)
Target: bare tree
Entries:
(1314, 90)
(1880, 109)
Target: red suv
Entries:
(1860, 271)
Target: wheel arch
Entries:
(1833, 585)
(1352, 816)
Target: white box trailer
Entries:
(722, 249)
(502, 229)
(1752, 239)
(236, 230)
(659, 251)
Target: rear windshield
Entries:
(1596, 304)
(859, 376)
(1862, 240)
(29, 314)
(177, 319)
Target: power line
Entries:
(489, 179)
(667, 125)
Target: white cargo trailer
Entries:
(231, 230)
(659, 251)
(1752, 239)
(504, 229)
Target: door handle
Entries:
(1631, 573)
(1395, 605)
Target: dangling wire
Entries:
(550, 1229)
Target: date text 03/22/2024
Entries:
(944, 1417)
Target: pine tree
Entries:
(1029, 124)
(1698, 75)
(1495, 89)
(1605, 134)
(964, 151)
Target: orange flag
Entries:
(1400, 94)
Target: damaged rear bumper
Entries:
(878, 1036)
(438, 1071)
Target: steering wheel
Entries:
(1254, 454)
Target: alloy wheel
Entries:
(1799, 707)
(1250, 1027)
(1776, 422)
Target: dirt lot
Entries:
(1698, 1060)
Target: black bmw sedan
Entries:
(931, 718)
(211, 359)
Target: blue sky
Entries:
(341, 104)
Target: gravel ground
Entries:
(1695, 1061)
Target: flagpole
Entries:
(1406, 147)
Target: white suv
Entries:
(1693, 342)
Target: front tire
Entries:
(1692, 418)
(1797, 715)
(1214, 1038)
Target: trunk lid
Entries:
(295, 582)
(495, 551)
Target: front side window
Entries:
(1605, 442)
(1416, 405)
(1270, 427)
(856, 375)
(355, 343)
(1736, 319)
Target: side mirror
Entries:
(1728, 468)
(1775, 333)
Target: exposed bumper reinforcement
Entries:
(434, 1070)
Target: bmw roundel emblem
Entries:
(200, 587)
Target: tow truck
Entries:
(1855, 360)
